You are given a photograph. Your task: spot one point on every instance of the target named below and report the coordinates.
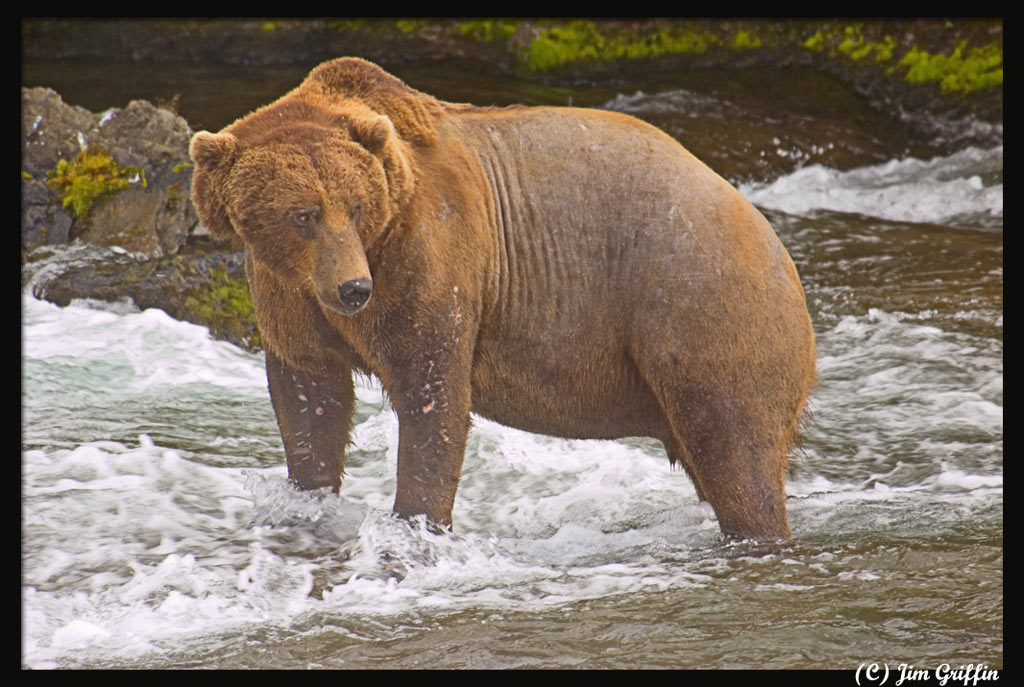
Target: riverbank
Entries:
(922, 61)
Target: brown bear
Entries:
(566, 271)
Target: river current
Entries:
(159, 530)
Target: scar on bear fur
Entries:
(566, 271)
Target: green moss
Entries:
(963, 71)
(815, 42)
(884, 48)
(347, 24)
(174, 196)
(227, 305)
(91, 176)
(180, 166)
(582, 41)
(488, 30)
(856, 48)
(410, 25)
(851, 39)
(559, 45)
(744, 40)
(958, 72)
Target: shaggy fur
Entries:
(566, 271)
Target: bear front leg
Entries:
(314, 414)
(433, 419)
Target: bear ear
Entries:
(373, 133)
(211, 150)
(213, 155)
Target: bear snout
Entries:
(354, 293)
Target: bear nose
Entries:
(355, 292)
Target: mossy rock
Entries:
(224, 304)
(963, 71)
(586, 42)
(90, 177)
(204, 284)
(117, 178)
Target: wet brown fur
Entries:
(570, 272)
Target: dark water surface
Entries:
(159, 530)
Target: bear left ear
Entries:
(373, 133)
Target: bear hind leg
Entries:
(678, 456)
(736, 458)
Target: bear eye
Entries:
(304, 219)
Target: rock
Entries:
(131, 240)
(43, 220)
(203, 284)
(148, 211)
(49, 132)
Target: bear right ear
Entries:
(213, 155)
(211, 150)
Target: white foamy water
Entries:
(157, 518)
(159, 349)
(131, 549)
(943, 190)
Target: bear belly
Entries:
(582, 395)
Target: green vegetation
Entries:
(488, 30)
(557, 44)
(583, 41)
(226, 305)
(851, 43)
(174, 196)
(744, 40)
(348, 24)
(962, 71)
(815, 42)
(92, 175)
(958, 72)
(856, 48)
(411, 25)
(883, 50)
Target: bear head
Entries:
(308, 190)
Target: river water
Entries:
(158, 528)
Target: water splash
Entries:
(962, 189)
